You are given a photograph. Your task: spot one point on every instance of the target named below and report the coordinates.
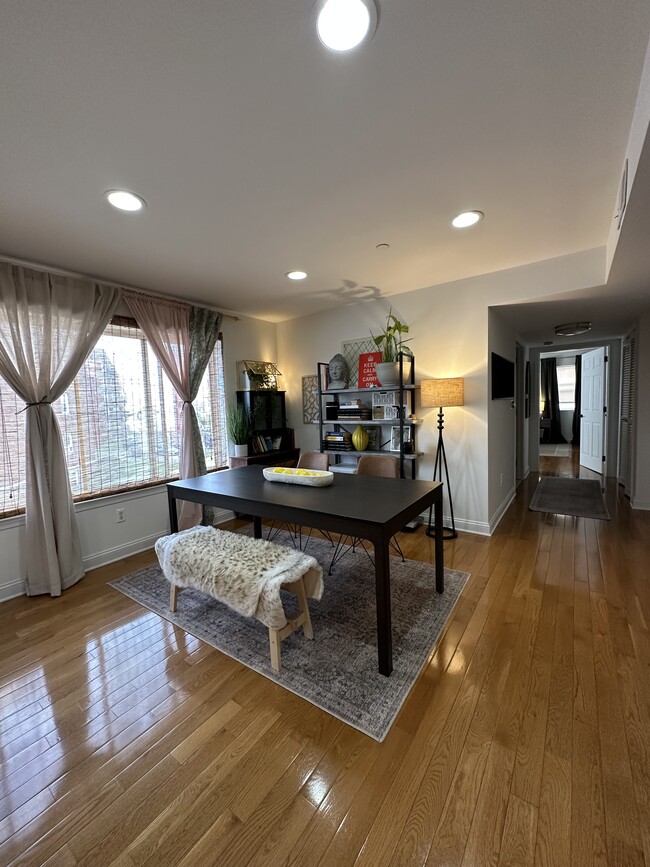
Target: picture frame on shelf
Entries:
(395, 441)
(374, 438)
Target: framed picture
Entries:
(395, 444)
(310, 413)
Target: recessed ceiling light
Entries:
(467, 218)
(124, 201)
(344, 24)
(296, 275)
(571, 329)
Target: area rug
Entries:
(338, 670)
(582, 498)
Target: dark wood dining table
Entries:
(359, 506)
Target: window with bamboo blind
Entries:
(120, 421)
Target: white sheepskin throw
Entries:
(244, 573)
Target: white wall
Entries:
(102, 539)
(449, 325)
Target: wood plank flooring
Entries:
(526, 741)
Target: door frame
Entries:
(613, 392)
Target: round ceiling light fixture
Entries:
(125, 201)
(466, 219)
(343, 24)
(571, 329)
(296, 275)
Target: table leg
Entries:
(439, 544)
(173, 514)
(382, 586)
(257, 527)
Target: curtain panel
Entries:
(182, 338)
(551, 398)
(49, 324)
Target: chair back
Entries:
(313, 461)
(386, 466)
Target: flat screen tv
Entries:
(502, 377)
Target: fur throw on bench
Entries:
(244, 573)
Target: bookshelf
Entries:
(377, 410)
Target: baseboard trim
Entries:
(110, 555)
(480, 528)
(11, 590)
(500, 512)
(641, 505)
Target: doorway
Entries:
(572, 410)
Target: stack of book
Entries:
(337, 441)
(354, 411)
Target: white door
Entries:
(592, 410)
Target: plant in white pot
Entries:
(391, 343)
(239, 428)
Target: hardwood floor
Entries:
(526, 741)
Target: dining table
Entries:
(366, 507)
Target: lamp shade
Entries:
(443, 392)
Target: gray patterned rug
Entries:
(338, 670)
(582, 498)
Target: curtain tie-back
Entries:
(37, 403)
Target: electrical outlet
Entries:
(501, 482)
(120, 516)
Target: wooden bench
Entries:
(201, 556)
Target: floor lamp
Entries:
(441, 393)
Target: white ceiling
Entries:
(258, 151)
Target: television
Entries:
(502, 378)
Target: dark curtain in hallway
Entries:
(551, 400)
(576, 410)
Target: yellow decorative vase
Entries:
(360, 438)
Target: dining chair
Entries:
(306, 461)
(382, 466)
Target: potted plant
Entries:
(239, 428)
(391, 343)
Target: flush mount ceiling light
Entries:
(467, 218)
(571, 329)
(344, 24)
(296, 275)
(125, 201)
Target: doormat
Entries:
(582, 498)
(337, 671)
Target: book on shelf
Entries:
(337, 447)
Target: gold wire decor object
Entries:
(257, 375)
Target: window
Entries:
(120, 421)
(566, 385)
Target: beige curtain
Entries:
(166, 326)
(48, 327)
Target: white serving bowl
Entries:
(289, 475)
